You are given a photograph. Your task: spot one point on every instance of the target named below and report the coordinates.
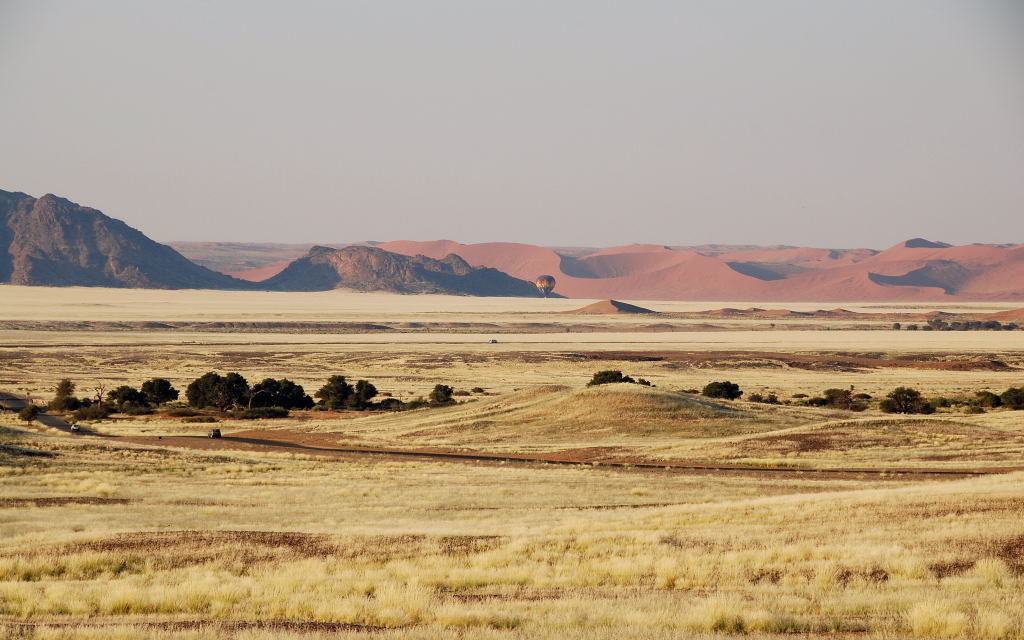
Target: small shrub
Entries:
(64, 403)
(905, 400)
(972, 409)
(1013, 398)
(987, 399)
(30, 412)
(797, 396)
(257, 413)
(609, 376)
(441, 394)
(133, 409)
(727, 390)
(417, 403)
(96, 411)
(843, 399)
(203, 419)
(181, 412)
(460, 393)
(478, 390)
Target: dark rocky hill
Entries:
(371, 269)
(55, 242)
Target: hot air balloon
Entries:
(544, 284)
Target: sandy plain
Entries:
(145, 533)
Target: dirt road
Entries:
(320, 444)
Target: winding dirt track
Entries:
(281, 441)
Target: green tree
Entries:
(609, 376)
(214, 390)
(726, 389)
(125, 397)
(279, 393)
(362, 395)
(64, 397)
(335, 393)
(442, 394)
(158, 391)
(30, 412)
(65, 389)
(905, 400)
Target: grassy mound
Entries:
(594, 416)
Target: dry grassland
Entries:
(101, 538)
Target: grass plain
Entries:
(126, 537)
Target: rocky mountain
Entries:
(55, 242)
(370, 269)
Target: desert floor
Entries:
(561, 510)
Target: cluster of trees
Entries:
(123, 399)
(937, 324)
(612, 376)
(231, 393)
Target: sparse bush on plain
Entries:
(181, 412)
(29, 413)
(201, 419)
(441, 394)
(905, 400)
(987, 399)
(1013, 398)
(609, 376)
(92, 412)
(725, 390)
(257, 413)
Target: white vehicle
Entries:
(75, 427)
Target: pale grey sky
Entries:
(577, 122)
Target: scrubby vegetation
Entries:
(614, 376)
(905, 400)
(725, 390)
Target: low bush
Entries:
(726, 390)
(257, 413)
(29, 412)
(609, 376)
(96, 411)
(203, 419)
(181, 412)
(1013, 398)
(905, 400)
(64, 403)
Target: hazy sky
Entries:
(832, 123)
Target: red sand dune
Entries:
(916, 270)
(610, 306)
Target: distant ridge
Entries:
(365, 268)
(610, 306)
